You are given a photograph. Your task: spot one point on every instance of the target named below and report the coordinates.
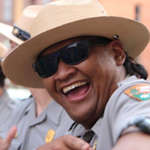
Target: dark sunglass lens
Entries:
(75, 53)
(47, 66)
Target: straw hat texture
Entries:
(62, 20)
(24, 23)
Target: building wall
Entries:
(6, 14)
(18, 6)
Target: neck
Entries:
(42, 99)
(1, 91)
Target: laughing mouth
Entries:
(73, 86)
(76, 91)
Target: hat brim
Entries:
(18, 64)
(6, 30)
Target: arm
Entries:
(4, 144)
(133, 141)
(66, 142)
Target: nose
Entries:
(64, 71)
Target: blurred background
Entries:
(134, 9)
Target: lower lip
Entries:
(79, 98)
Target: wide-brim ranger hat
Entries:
(20, 32)
(58, 21)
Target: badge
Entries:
(139, 92)
(49, 136)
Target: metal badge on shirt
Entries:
(50, 135)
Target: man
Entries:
(39, 119)
(7, 105)
(83, 58)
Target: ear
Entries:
(118, 52)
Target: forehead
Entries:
(61, 44)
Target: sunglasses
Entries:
(71, 54)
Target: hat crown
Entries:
(58, 13)
(27, 17)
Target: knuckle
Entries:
(58, 144)
(65, 137)
(56, 147)
(71, 141)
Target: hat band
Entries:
(21, 34)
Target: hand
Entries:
(133, 141)
(66, 142)
(4, 144)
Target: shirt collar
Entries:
(97, 125)
(79, 130)
(4, 97)
(127, 79)
(53, 111)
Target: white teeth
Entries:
(73, 86)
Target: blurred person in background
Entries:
(38, 119)
(7, 104)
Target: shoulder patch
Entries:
(140, 92)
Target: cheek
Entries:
(95, 65)
(49, 85)
(105, 62)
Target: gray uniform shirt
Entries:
(32, 130)
(120, 110)
(7, 105)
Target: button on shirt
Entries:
(119, 111)
(32, 131)
(7, 105)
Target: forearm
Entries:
(133, 141)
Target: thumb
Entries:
(11, 134)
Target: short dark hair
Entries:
(131, 66)
(134, 68)
(2, 78)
